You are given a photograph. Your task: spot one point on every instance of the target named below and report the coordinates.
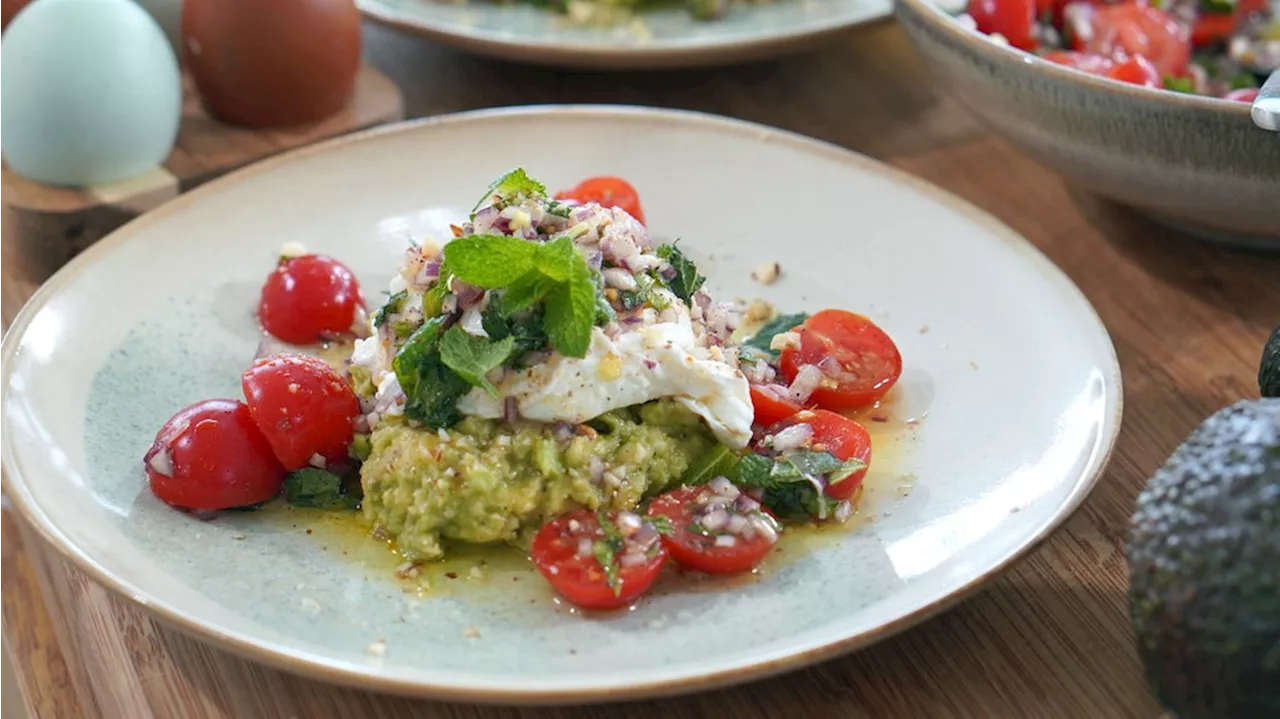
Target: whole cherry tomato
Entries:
(211, 455)
(308, 298)
(303, 407)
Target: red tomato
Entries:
(1083, 61)
(1244, 94)
(770, 407)
(303, 408)
(308, 298)
(859, 361)
(1137, 70)
(1014, 19)
(581, 579)
(211, 455)
(843, 437)
(1211, 28)
(607, 191)
(696, 550)
(1135, 28)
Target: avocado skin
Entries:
(1269, 369)
(1204, 569)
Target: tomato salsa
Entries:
(724, 435)
(1218, 48)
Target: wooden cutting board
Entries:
(53, 224)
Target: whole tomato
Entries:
(270, 64)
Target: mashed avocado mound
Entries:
(484, 480)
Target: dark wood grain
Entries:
(1050, 638)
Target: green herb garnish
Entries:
(391, 307)
(489, 261)
(311, 487)
(686, 280)
(509, 187)
(607, 551)
(774, 327)
(430, 386)
(789, 481)
(717, 462)
(474, 357)
(1180, 84)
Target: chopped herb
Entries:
(774, 327)
(686, 280)
(662, 523)
(489, 261)
(391, 307)
(812, 464)
(799, 499)
(474, 357)
(1180, 84)
(790, 482)
(607, 550)
(403, 328)
(716, 462)
(510, 186)
(433, 299)
(1217, 7)
(559, 209)
(847, 470)
(431, 388)
(311, 487)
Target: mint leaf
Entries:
(789, 483)
(509, 187)
(606, 551)
(571, 311)
(525, 328)
(391, 307)
(846, 470)
(555, 259)
(686, 279)
(489, 261)
(813, 464)
(774, 327)
(529, 289)
(474, 357)
(719, 461)
(311, 487)
(431, 388)
(752, 470)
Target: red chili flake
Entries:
(879, 418)
(308, 530)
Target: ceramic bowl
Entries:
(1197, 163)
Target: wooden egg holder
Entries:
(53, 224)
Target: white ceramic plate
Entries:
(666, 38)
(1010, 374)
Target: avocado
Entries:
(1269, 370)
(1204, 569)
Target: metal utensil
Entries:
(1266, 107)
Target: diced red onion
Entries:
(318, 461)
(722, 486)
(714, 520)
(510, 409)
(632, 559)
(646, 537)
(792, 437)
(808, 379)
(563, 432)
(844, 511)
(161, 463)
(764, 526)
(612, 330)
(595, 260)
(629, 523)
(586, 548)
(595, 465)
(830, 366)
(736, 524)
(449, 305)
(619, 278)
(726, 540)
(468, 295)
(745, 504)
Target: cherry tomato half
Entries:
(308, 298)
(771, 406)
(841, 436)
(1014, 19)
(1244, 94)
(858, 360)
(695, 550)
(607, 191)
(1135, 28)
(303, 408)
(581, 579)
(1136, 70)
(211, 455)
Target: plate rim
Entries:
(305, 664)
(657, 55)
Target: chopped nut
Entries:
(758, 311)
(784, 340)
(471, 632)
(767, 272)
(292, 249)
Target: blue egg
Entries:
(90, 92)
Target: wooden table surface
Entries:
(1050, 638)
